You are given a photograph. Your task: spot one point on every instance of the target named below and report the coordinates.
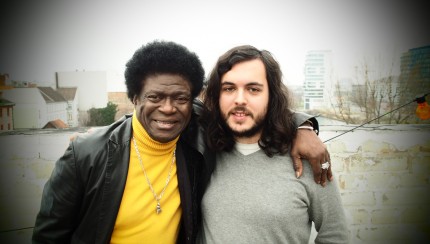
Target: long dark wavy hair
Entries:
(279, 129)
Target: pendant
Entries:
(158, 209)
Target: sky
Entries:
(39, 38)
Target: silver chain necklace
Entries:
(156, 197)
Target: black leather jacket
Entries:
(81, 199)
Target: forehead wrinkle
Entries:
(163, 91)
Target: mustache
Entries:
(241, 109)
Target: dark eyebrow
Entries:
(227, 83)
(252, 83)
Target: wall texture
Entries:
(383, 173)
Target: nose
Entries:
(167, 106)
(240, 97)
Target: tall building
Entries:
(317, 84)
(415, 71)
(414, 78)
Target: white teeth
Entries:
(164, 122)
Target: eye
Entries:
(153, 98)
(182, 99)
(228, 89)
(254, 89)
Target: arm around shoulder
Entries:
(301, 118)
(307, 145)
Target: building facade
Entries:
(6, 114)
(6, 106)
(92, 87)
(415, 71)
(35, 106)
(70, 94)
(317, 84)
(414, 80)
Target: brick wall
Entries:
(124, 104)
(383, 174)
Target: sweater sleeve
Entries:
(328, 215)
(60, 203)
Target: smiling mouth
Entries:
(165, 124)
(240, 115)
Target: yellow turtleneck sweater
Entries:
(137, 220)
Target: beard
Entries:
(256, 128)
(259, 122)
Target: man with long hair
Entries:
(253, 196)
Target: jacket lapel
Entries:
(114, 180)
(185, 193)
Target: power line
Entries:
(404, 105)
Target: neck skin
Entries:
(248, 140)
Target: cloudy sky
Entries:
(43, 37)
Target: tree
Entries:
(381, 97)
(342, 109)
(376, 92)
(102, 116)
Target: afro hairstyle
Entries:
(163, 57)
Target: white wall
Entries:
(55, 111)
(30, 107)
(72, 121)
(92, 86)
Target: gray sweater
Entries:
(257, 199)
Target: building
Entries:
(6, 106)
(92, 86)
(70, 94)
(6, 114)
(414, 77)
(125, 106)
(35, 106)
(318, 75)
(415, 71)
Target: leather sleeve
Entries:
(197, 107)
(300, 118)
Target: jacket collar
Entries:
(115, 176)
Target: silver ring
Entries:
(325, 165)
